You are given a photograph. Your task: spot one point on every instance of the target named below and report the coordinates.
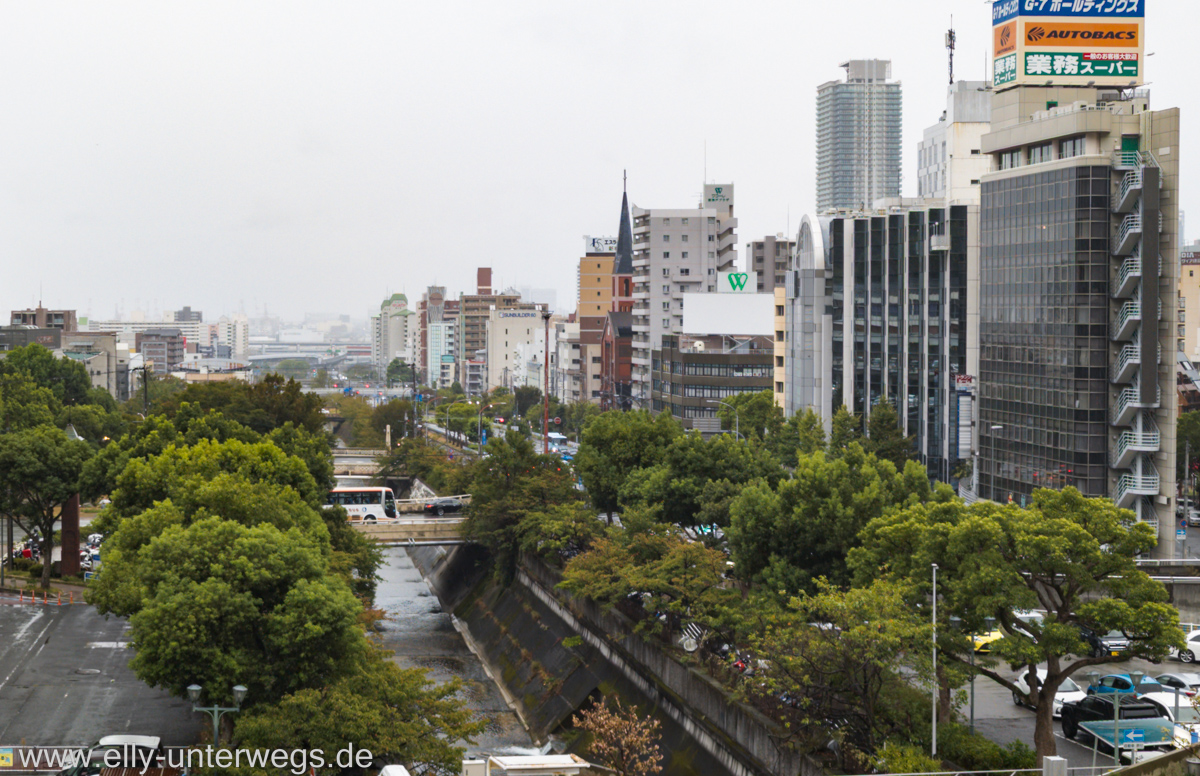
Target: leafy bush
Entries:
(22, 564)
(904, 758)
(974, 752)
(35, 571)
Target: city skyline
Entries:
(168, 155)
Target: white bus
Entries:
(367, 504)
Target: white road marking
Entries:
(108, 644)
(39, 638)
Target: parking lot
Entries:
(998, 718)
(64, 680)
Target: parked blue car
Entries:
(1123, 684)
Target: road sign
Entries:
(1135, 736)
(1180, 535)
(484, 436)
(558, 421)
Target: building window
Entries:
(685, 271)
(1070, 147)
(712, 220)
(685, 254)
(666, 222)
(666, 305)
(683, 237)
(666, 323)
(666, 272)
(711, 270)
(1010, 159)
(685, 221)
(712, 254)
(666, 238)
(779, 310)
(595, 359)
(666, 254)
(1041, 153)
(712, 238)
(666, 289)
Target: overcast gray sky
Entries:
(309, 156)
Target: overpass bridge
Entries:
(418, 532)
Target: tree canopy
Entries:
(785, 536)
(1070, 558)
(614, 445)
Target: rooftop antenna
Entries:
(950, 38)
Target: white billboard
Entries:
(742, 314)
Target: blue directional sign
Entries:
(1135, 736)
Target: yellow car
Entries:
(983, 641)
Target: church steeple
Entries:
(624, 264)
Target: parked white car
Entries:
(1068, 691)
(1191, 648)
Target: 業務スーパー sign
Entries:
(1123, 65)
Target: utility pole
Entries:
(546, 397)
(145, 388)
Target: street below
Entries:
(1002, 721)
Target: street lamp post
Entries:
(994, 429)
(214, 711)
(935, 679)
(479, 426)
(737, 416)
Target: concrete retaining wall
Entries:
(521, 629)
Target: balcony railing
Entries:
(1127, 192)
(1129, 160)
(1127, 277)
(1125, 323)
(1133, 443)
(1129, 401)
(1131, 486)
(1126, 362)
(1128, 234)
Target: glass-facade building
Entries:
(1043, 362)
(1078, 300)
(878, 311)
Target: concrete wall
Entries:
(520, 630)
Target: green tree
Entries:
(688, 466)
(845, 428)
(754, 415)
(397, 413)
(148, 438)
(321, 379)
(561, 532)
(396, 714)
(399, 372)
(786, 536)
(840, 654)
(526, 397)
(802, 434)
(511, 483)
(66, 378)
(24, 404)
(885, 439)
(268, 404)
(614, 445)
(218, 603)
(40, 471)
(145, 481)
(1071, 557)
(1187, 442)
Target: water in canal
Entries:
(423, 636)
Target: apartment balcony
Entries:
(1127, 277)
(1132, 160)
(1128, 234)
(1127, 321)
(640, 295)
(1134, 443)
(640, 328)
(1129, 403)
(1131, 487)
(1127, 192)
(1127, 363)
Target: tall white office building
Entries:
(676, 252)
(858, 136)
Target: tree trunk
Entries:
(1043, 731)
(47, 557)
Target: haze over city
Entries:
(309, 156)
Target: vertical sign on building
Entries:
(1068, 42)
